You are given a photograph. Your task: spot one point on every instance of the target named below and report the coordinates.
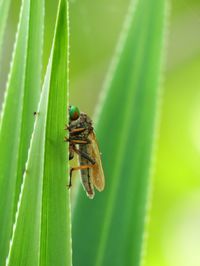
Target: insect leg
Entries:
(76, 141)
(79, 141)
(71, 151)
(75, 130)
(84, 155)
(77, 168)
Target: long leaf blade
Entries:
(4, 9)
(56, 224)
(42, 227)
(16, 125)
(113, 223)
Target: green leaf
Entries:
(21, 100)
(41, 234)
(109, 230)
(4, 9)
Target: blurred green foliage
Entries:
(115, 220)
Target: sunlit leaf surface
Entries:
(21, 100)
(41, 234)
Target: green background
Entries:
(174, 234)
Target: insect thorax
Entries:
(82, 122)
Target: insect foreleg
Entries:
(75, 130)
(75, 140)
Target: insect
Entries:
(82, 141)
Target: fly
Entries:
(82, 141)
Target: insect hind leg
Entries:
(84, 155)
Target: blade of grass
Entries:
(4, 9)
(16, 125)
(41, 234)
(112, 225)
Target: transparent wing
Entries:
(96, 173)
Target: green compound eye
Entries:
(74, 112)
